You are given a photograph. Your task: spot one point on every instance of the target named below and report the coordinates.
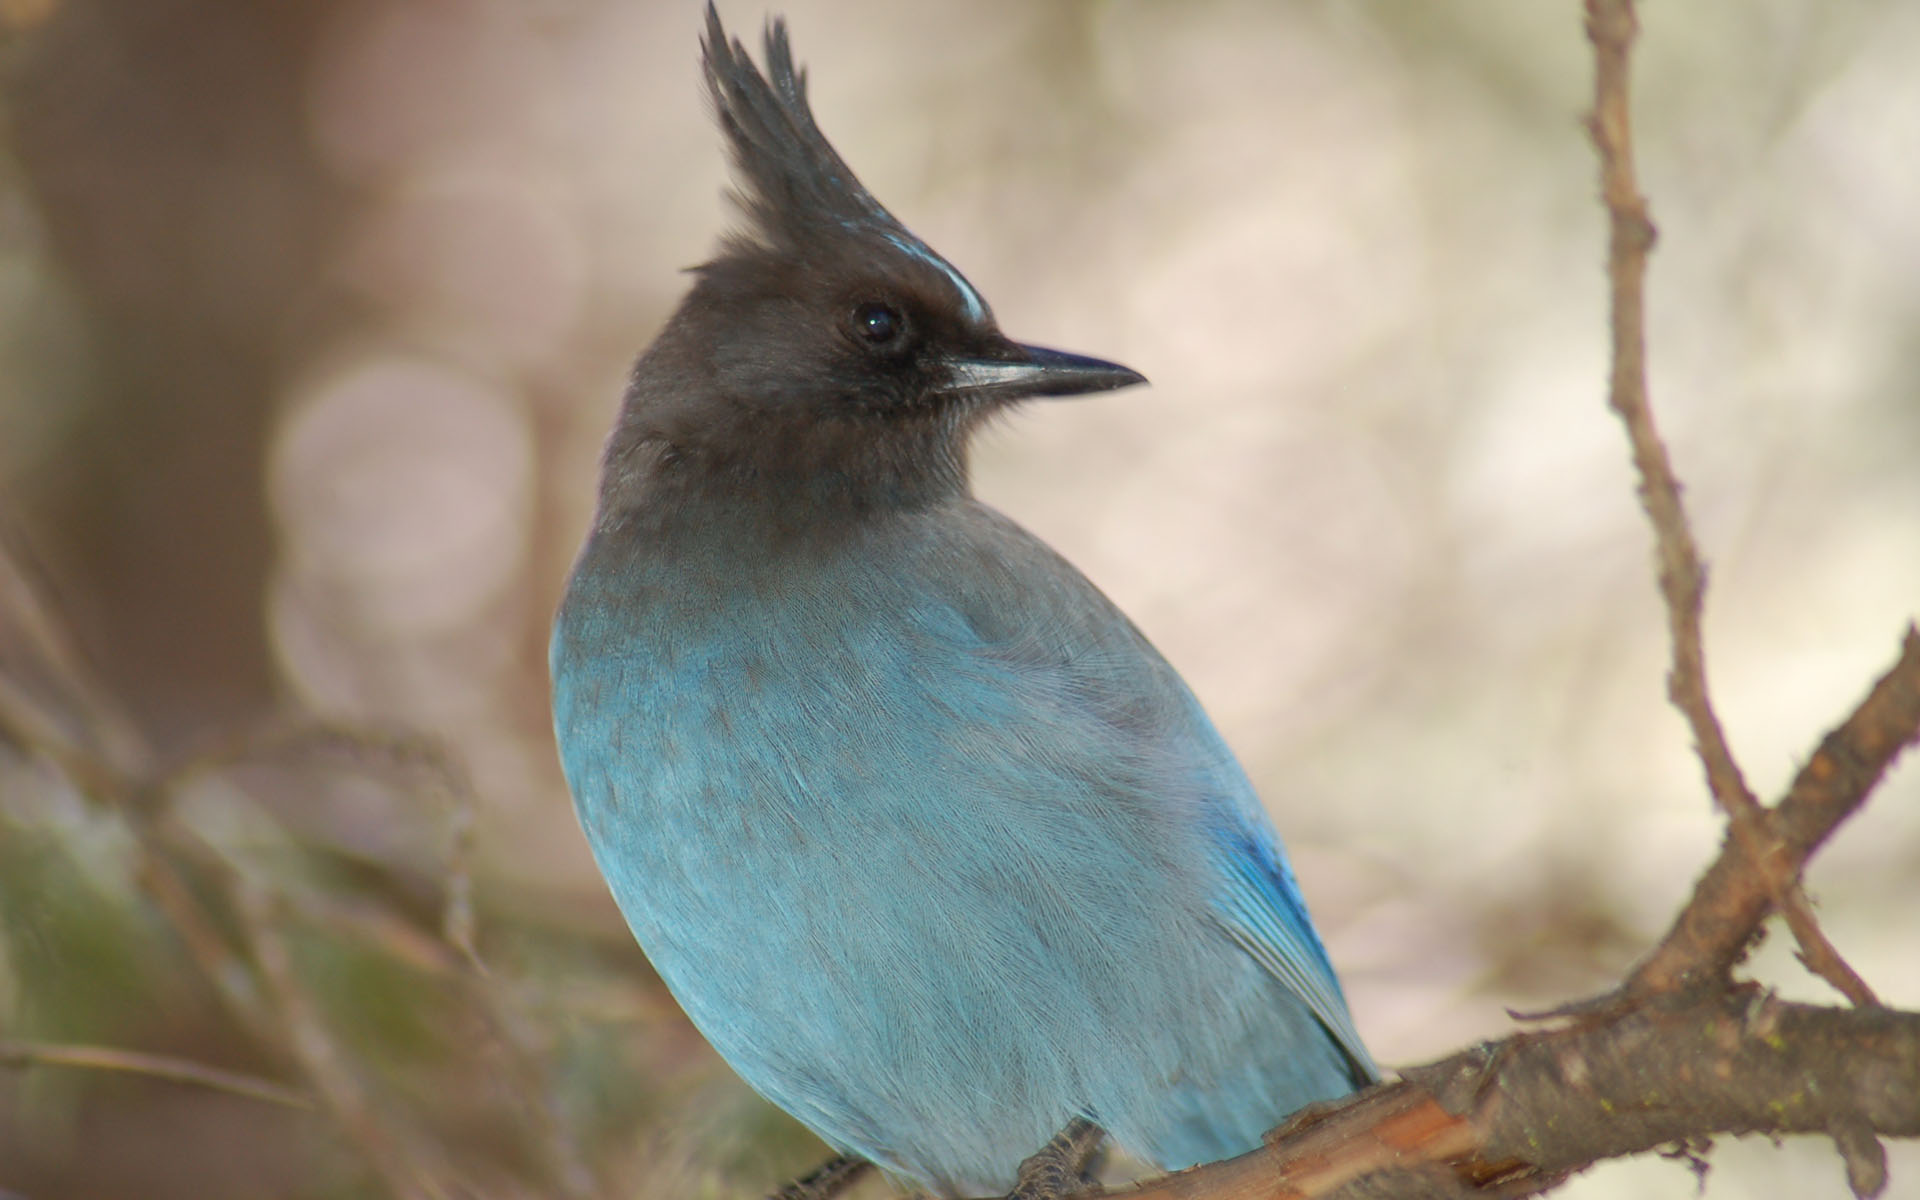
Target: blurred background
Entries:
(313, 315)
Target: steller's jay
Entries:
(926, 838)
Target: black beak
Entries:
(1016, 371)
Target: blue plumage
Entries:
(928, 841)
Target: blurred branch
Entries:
(514, 1046)
(321, 1059)
(232, 927)
(52, 711)
(159, 1066)
(50, 703)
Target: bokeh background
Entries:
(313, 313)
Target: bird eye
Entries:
(878, 324)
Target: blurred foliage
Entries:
(312, 315)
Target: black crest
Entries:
(789, 181)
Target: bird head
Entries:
(825, 350)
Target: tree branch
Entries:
(1517, 1116)
(1612, 27)
(1731, 899)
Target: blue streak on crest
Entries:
(907, 243)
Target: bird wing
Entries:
(1089, 640)
(1263, 911)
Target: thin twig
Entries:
(322, 1061)
(457, 923)
(159, 876)
(515, 1043)
(515, 1047)
(1818, 954)
(158, 1066)
(50, 700)
(1612, 27)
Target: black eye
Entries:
(878, 324)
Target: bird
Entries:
(923, 835)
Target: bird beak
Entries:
(1017, 371)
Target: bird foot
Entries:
(828, 1180)
(1059, 1169)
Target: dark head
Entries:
(826, 353)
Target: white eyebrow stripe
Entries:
(976, 307)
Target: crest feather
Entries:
(789, 181)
